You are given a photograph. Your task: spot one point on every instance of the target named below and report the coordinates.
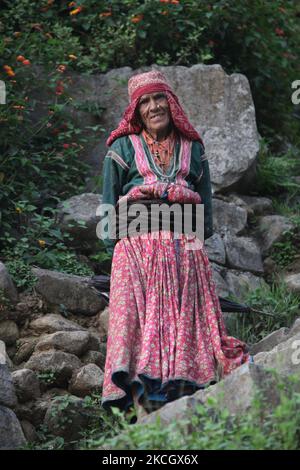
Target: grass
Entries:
(278, 306)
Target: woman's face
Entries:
(154, 111)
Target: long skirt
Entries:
(166, 331)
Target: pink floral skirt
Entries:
(166, 330)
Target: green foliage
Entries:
(48, 377)
(284, 252)
(212, 427)
(259, 39)
(275, 172)
(276, 307)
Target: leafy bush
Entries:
(259, 39)
(275, 307)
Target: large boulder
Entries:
(61, 364)
(87, 380)
(26, 384)
(228, 217)
(74, 292)
(77, 216)
(285, 357)
(215, 249)
(52, 323)
(276, 337)
(8, 395)
(243, 253)
(9, 332)
(68, 417)
(11, 433)
(240, 283)
(235, 393)
(73, 342)
(271, 229)
(7, 286)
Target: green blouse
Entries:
(120, 174)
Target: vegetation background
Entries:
(41, 162)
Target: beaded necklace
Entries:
(162, 151)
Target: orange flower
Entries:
(71, 4)
(76, 11)
(26, 62)
(61, 68)
(175, 2)
(20, 58)
(9, 70)
(105, 14)
(17, 34)
(72, 56)
(137, 18)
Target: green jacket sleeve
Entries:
(203, 188)
(114, 178)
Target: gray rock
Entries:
(11, 434)
(35, 411)
(7, 285)
(235, 393)
(243, 253)
(293, 282)
(240, 283)
(52, 323)
(94, 357)
(270, 341)
(69, 420)
(29, 431)
(87, 380)
(80, 208)
(7, 390)
(104, 320)
(73, 342)
(228, 218)
(220, 284)
(215, 249)
(25, 347)
(74, 292)
(271, 230)
(258, 205)
(285, 357)
(26, 384)
(276, 337)
(9, 332)
(62, 364)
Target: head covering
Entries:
(151, 82)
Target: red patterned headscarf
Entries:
(151, 82)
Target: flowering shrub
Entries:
(41, 159)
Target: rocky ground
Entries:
(53, 340)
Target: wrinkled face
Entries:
(154, 111)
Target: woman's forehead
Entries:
(150, 95)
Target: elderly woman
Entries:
(166, 335)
